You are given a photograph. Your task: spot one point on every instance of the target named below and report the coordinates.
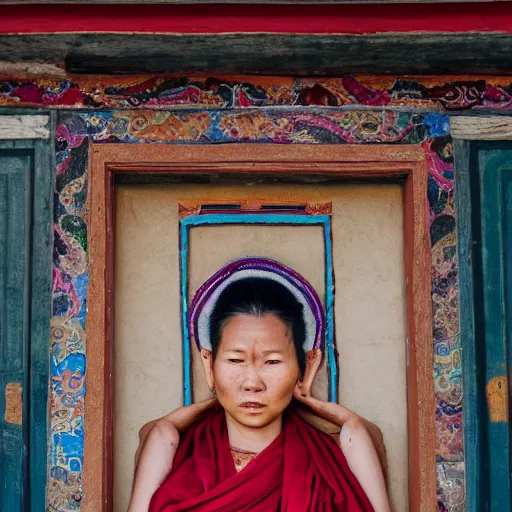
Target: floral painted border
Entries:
(162, 92)
(308, 125)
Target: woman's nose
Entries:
(253, 381)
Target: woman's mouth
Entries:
(252, 405)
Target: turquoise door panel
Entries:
(25, 311)
(496, 220)
(15, 215)
(484, 217)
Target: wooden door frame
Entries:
(340, 162)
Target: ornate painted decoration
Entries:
(253, 206)
(305, 126)
(208, 111)
(163, 92)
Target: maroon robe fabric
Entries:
(302, 470)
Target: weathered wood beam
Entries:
(265, 53)
(481, 128)
(24, 127)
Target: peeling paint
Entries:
(497, 399)
(13, 403)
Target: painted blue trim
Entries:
(330, 348)
(187, 360)
(267, 219)
(254, 218)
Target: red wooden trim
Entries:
(332, 161)
(109, 377)
(412, 377)
(420, 386)
(99, 398)
(312, 19)
(96, 449)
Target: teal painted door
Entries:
(496, 225)
(484, 206)
(15, 227)
(25, 276)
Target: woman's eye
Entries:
(273, 361)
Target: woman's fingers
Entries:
(315, 357)
(297, 391)
(206, 404)
(313, 361)
(185, 416)
(301, 393)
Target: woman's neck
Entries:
(252, 439)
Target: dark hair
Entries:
(259, 296)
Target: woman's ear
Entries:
(207, 360)
(313, 362)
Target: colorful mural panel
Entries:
(163, 92)
(322, 126)
(312, 126)
(68, 335)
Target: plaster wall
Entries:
(369, 304)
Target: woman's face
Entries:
(256, 369)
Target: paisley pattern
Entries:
(164, 92)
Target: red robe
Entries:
(302, 470)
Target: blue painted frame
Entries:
(299, 219)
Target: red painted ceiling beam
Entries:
(321, 19)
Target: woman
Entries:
(259, 326)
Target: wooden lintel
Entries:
(265, 53)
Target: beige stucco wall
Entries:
(369, 304)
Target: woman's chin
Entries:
(255, 418)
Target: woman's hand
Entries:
(180, 418)
(184, 416)
(335, 413)
(302, 391)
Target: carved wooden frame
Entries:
(334, 162)
(196, 206)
